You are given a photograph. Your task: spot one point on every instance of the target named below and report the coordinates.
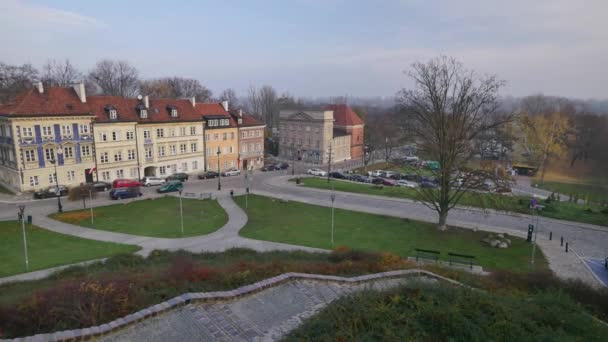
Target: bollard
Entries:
(562, 242)
(231, 193)
(566, 247)
(550, 236)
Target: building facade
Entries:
(251, 140)
(317, 136)
(108, 137)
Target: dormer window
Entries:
(113, 114)
(173, 113)
(143, 113)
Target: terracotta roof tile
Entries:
(53, 101)
(247, 119)
(344, 115)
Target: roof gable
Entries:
(344, 115)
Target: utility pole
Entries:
(333, 198)
(91, 204)
(22, 216)
(181, 210)
(329, 162)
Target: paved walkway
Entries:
(264, 316)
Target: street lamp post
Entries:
(333, 198)
(55, 162)
(219, 174)
(181, 210)
(22, 215)
(91, 204)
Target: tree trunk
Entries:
(443, 218)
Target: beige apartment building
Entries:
(311, 136)
(108, 137)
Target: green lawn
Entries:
(5, 190)
(592, 213)
(48, 249)
(309, 225)
(153, 217)
(593, 192)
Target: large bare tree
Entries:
(14, 79)
(448, 108)
(62, 74)
(117, 78)
(230, 96)
(176, 87)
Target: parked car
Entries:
(125, 183)
(388, 174)
(377, 181)
(411, 177)
(149, 181)
(282, 166)
(316, 172)
(375, 173)
(100, 186)
(388, 182)
(338, 175)
(180, 176)
(121, 193)
(488, 185)
(428, 184)
(411, 159)
(358, 178)
(407, 184)
(231, 172)
(270, 167)
(366, 179)
(395, 176)
(52, 191)
(208, 175)
(170, 186)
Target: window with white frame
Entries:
(192, 130)
(195, 165)
(66, 130)
(184, 167)
(133, 172)
(161, 151)
(33, 180)
(258, 133)
(130, 154)
(49, 153)
(30, 155)
(113, 114)
(148, 152)
(231, 135)
(232, 163)
(27, 132)
(85, 150)
(103, 157)
(230, 150)
(225, 165)
(47, 130)
(120, 173)
(84, 128)
(71, 176)
(207, 151)
(162, 170)
(172, 132)
(182, 148)
(105, 175)
(103, 136)
(173, 113)
(52, 178)
(207, 136)
(216, 136)
(182, 131)
(244, 148)
(174, 168)
(250, 134)
(224, 150)
(143, 114)
(147, 134)
(68, 152)
(224, 136)
(172, 150)
(258, 147)
(130, 135)
(160, 132)
(115, 135)
(193, 147)
(118, 156)
(244, 135)
(251, 146)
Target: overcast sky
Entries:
(321, 47)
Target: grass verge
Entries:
(152, 217)
(597, 193)
(310, 225)
(48, 249)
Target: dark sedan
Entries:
(52, 191)
(208, 175)
(282, 166)
(100, 186)
(338, 175)
(180, 176)
(270, 167)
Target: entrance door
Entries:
(88, 176)
(245, 164)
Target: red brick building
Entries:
(347, 120)
(251, 140)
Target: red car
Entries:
(125, 183)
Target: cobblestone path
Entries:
(264, 316)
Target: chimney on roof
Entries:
(79, 89)
(240, 112)
(225, 105)
(146, 101)
(193, 101)
(39, 87)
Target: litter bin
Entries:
(29, 219)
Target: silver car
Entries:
(231, 172)
(316, 172)
(149, 181)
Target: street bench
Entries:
(461, 259)
(427, 254)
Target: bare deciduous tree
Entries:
(82, 192)
(253, 100)
(116, 78)
(61, 74)
(14, 79)
(176, 87)
(448, 108)
(230, 96)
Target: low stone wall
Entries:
(96, 331)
